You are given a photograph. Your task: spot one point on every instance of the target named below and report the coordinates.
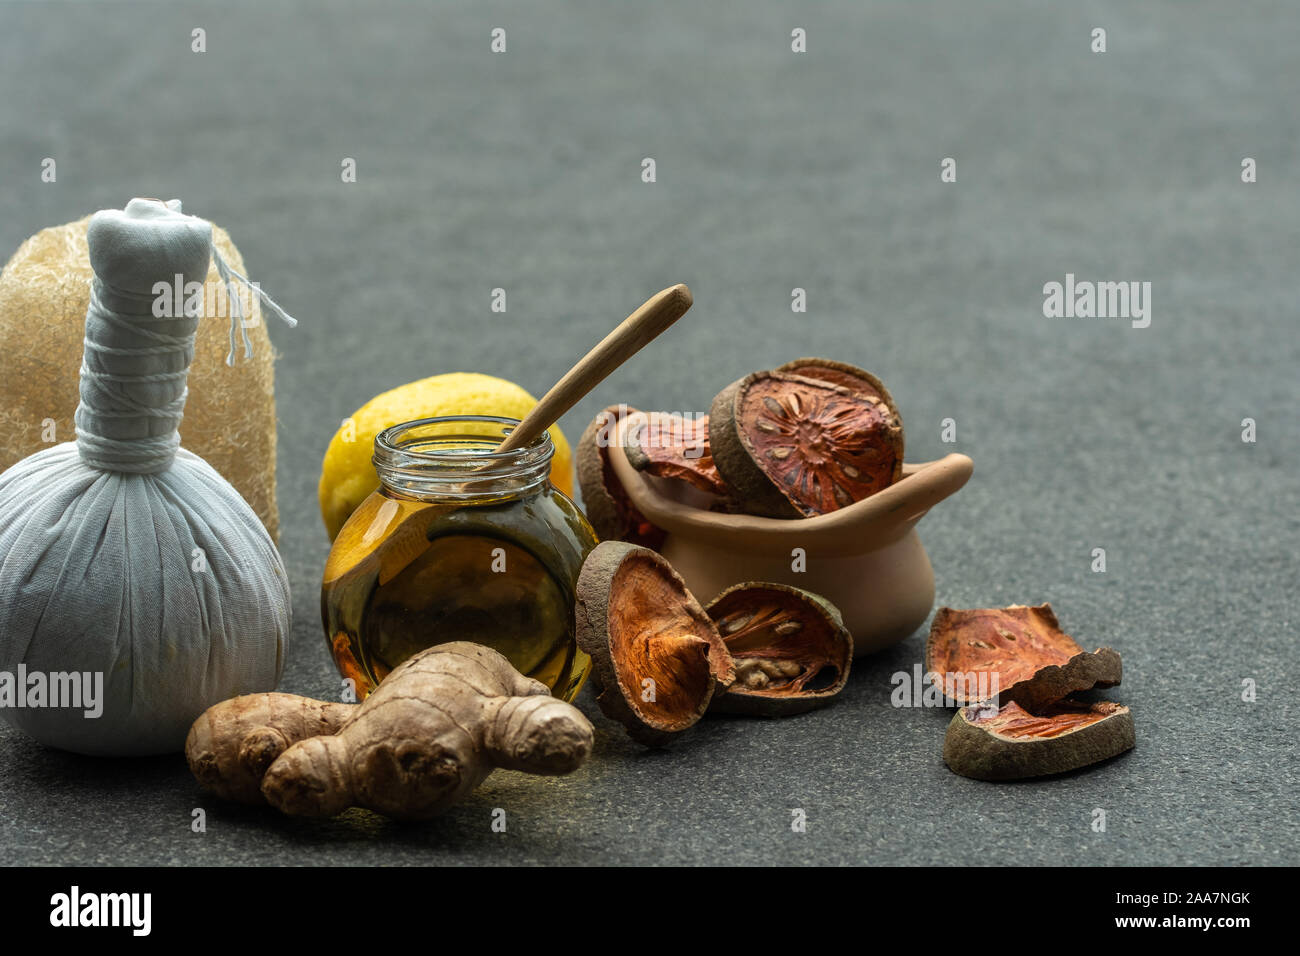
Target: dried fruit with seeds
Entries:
(608, 509)
(669, 445)
(1016, 653)
(791, 649)
(791, 446)
(657, 659)
(1011, 743)
(851, 377)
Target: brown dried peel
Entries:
(1035, 663)
(791, 649)
(847, 376)
(669, 445)
(791, 446)
(660, 660)
(1011, 744)
(611, 514)
(657, 659)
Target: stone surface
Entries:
(775, 170)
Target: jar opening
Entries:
(455, 458)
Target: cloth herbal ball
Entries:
(123, 557)
(44, 293)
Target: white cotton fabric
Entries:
(121, 553)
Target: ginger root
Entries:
(430, 733)
(231, 745)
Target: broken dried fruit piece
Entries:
(657, 658)
(791, 649)
(608, 509)
(668, 445)
(1017, 653)
(841, 373)
(791, 446)
(1011, 743)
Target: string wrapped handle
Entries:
(137, 353)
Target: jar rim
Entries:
(410, 462)
(388, 438)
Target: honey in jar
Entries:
(460, 543)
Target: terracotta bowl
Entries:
(866, 558)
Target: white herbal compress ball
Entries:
(121, 553)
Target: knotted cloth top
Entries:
(136, 361)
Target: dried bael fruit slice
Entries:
(841, 373)
(669, 445)
(1016, 653)
(608, 509)
(791, 649)
(791, 446)
(1011, 743)
(657, 658)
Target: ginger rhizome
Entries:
(430, 733)
(232, 744)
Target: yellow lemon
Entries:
(347, 476)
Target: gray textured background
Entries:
(775, 170)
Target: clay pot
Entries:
(866, 558)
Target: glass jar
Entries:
(460, 543)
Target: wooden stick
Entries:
(634, 333)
